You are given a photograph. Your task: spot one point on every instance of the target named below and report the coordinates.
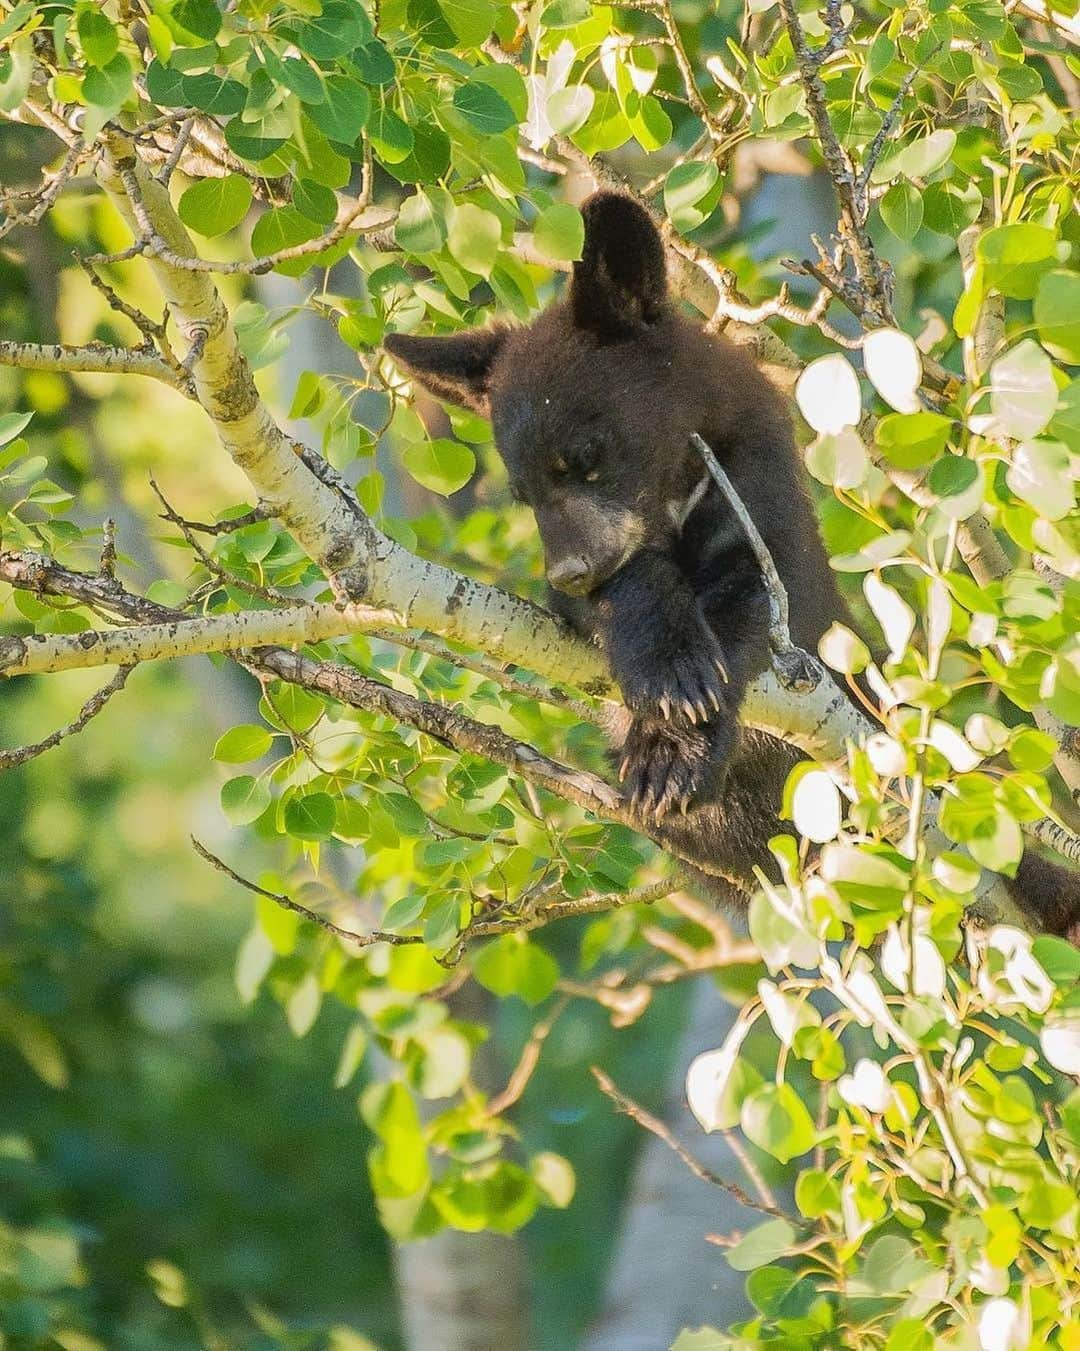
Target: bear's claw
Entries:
(666, 768)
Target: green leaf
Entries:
(214, 93)
(391, 138)
(972, 815)
(299, 76)
(686, 186)
(606, 127)
(910, 1334)
(280, 926)
(703, 1339)
(565, 13)
(442, 465)
(651, 125)
(352, 1053)
(106, 87)
(342, 26)
(512, 965)
(310, 817)
(499, 1196)
(47, 1260)
(215, 205)
(98, 35)
(202, 18)
(243, 743)
(281, 227)
(902, 210)
(165, 85)
(952, 475)
(1057, 315)
(1015, 257)
(443, 1064)
(254, 141)
(776, 1120)
(1065, 424)
(1059, 959)
(16, 72)
(302, 1007)
(421, 225)
(1023, 393)
(768, 1287)
(253, 960)
(816, 1194)
(11, 424)
(344, 111)
(244, 799)
(949, 208)
(471, 20)
(764, 1244)
(429, 158)
(775, 934)
(555, 1178)
(315, 201)
(1040, 474)
(475, 237)
(374, 64)
(924, 157)
(910, 440)
(568, 109)
(484, 108)
(559, 233)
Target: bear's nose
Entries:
(571, 575)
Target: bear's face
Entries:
(584, 403)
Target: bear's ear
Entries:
(457, 368)
(620, 282)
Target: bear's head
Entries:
(592, 405)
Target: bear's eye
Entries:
(592, 476)
(559, 469)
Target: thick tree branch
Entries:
(819, 721)
(323, 523)
(93, 357)
(183, 636)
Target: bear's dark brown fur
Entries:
(593, 406)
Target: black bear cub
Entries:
(592, 407)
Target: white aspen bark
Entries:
(665, 1275)
(318, 516)
(463, 1292)
(91, 357)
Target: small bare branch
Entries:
(364, 940)
(92, 707)
(795, 669)
(662, 1132)
(53, 182)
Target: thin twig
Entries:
(796, 669)
(92, 707)
(52, 185)
(220, 574)
(527, 1062)
(365, 940)
(656, 1127)
(179, 145)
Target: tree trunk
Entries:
(665, 1275)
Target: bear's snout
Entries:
(572, 575)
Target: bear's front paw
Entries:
(666, 768)
(683, 683)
